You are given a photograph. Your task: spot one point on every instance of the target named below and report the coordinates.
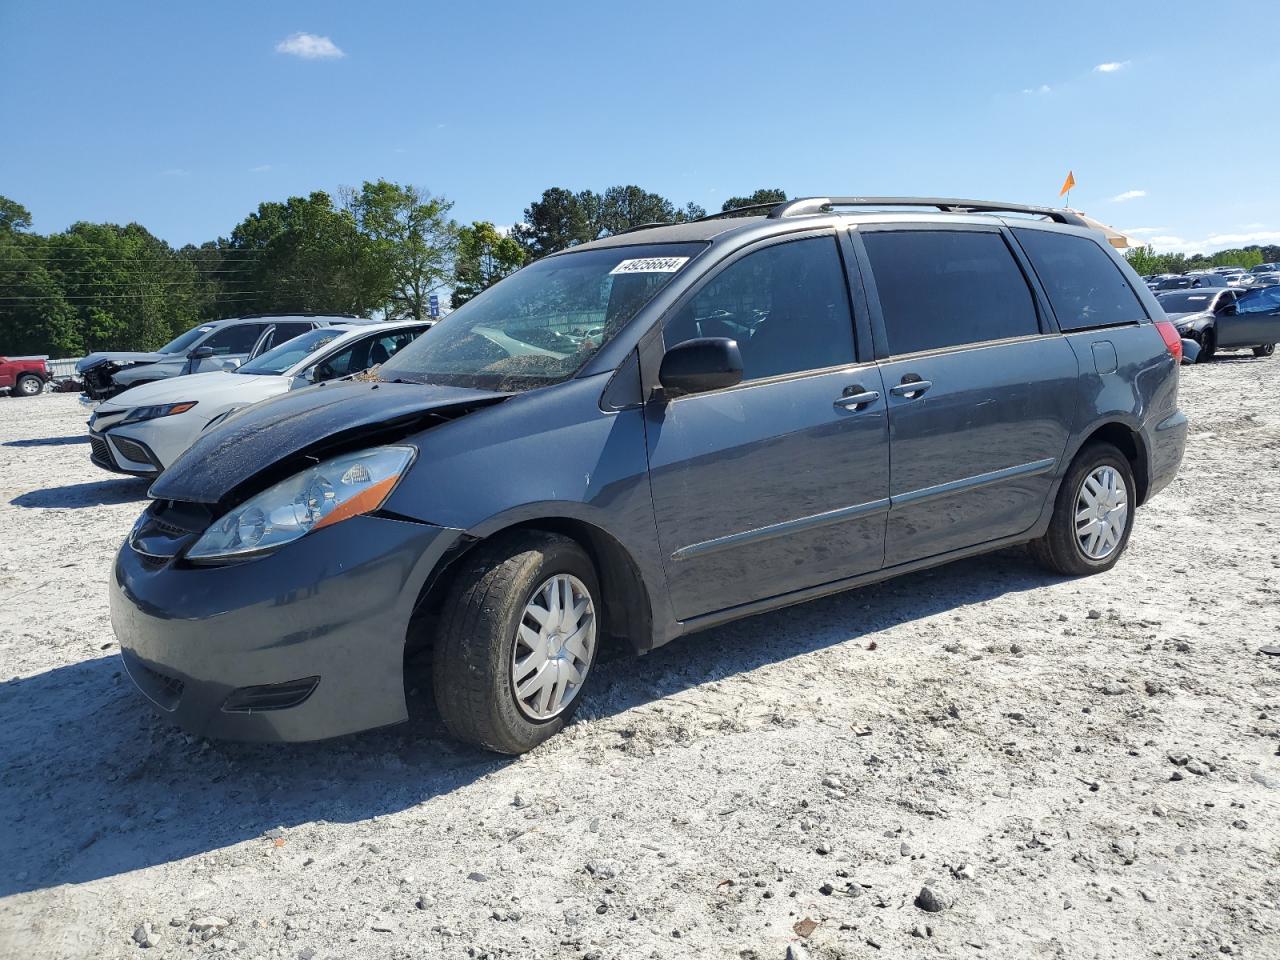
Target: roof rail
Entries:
(808, 205)
(734, 211)
(710, 216)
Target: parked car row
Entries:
(219, 345)
(628, 441)
(142, 430)
(1263, 275)
(1224, 318)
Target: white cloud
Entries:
(308, 46)
(1140, 231)
(260, 168)
(1042, 89)
(1128, 195)
(1111, 67)
(1170, 243)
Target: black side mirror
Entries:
(695, 366)
(200, 353)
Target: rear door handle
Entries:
(911, 388)
(855, 398)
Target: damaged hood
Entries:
(121, 359)
(268, 441)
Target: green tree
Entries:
(35, 318)
(14, 217)
(129, 290)
(556, 221)
(413, 238)
(484, 257)
(763, 195)
(304, 255)
(1144, 260)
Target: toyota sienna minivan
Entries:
(644, 436)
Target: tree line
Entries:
(1146, 261)
(380, 249)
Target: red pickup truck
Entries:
(23, 377)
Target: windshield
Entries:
(1188, 301)
(541, 324)
(183, 343)
(279, 359)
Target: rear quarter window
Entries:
(1084, 285)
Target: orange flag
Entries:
(1067, 184)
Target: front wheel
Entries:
(1264, 351)
(1092, 516)
(28, 385)
(517, 640)
(1208, 346)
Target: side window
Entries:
(287, 331)
(1084, 285)
(946, 288)
(787, 305)
(239, 338)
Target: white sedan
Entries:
(143, 430)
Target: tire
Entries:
(1265, 350)
(28, 385)
(475, 650)
(1060, 550)
(1208, 346)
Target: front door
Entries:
(782, 482)
(981, 398)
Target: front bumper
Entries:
(123, 454)
(333, 605)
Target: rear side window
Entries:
(1085, 286)
(787, 306)
(948, 288)
(239, 338)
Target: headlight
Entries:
(319, 496)
(159, 410)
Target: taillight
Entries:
(1172, 339)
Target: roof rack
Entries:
(735, 211)
(809, 205)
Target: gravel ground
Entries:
(1073, 768)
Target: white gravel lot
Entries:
(1069, 784)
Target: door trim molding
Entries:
(785, 528)
(970, 483)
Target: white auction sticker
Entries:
(651, 265)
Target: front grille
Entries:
(132, 450)
(98, 450)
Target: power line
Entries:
(17, 301)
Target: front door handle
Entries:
(855, 398)
(911, 388)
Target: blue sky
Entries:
(184, 117)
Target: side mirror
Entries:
(695, 366)
(200, 353)
(309, 374)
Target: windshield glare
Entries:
(182, 343)
(279, 359)
(543, 323)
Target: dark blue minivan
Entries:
(644, 436)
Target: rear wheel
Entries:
(1092, 516)
(517, 640)
(28, 385)
(1264, 351)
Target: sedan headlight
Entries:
(319, 496)
(138, 414)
